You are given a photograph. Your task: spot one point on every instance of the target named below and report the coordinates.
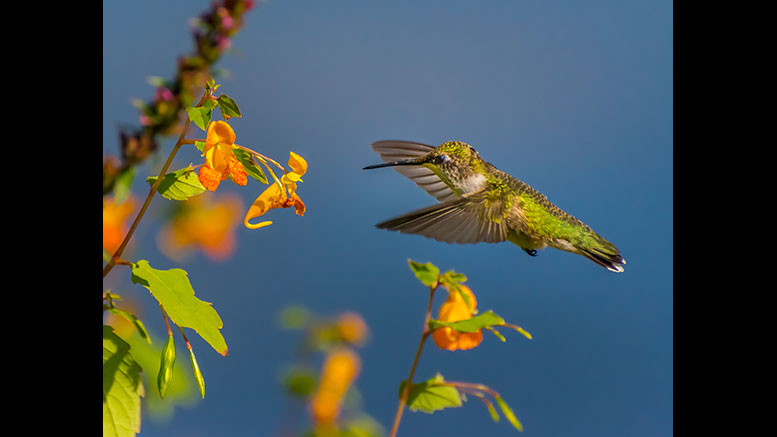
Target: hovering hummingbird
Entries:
(479, 203)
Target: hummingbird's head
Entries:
(455, 163)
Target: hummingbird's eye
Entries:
(441, 159)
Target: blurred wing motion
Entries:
(469, 219)
(391, 150)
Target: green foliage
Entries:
(166, 366)
(178, 185)
(300, 382)
(122, 387)
(294, 317)
(181, 390)
(123, 185)
(453, 281)
(172, 290)
(431, 395)
(474, 324)
(134, 320)
(426, 273)
(250, 165)
(200, 116)
(228, 107)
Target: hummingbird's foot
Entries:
(531, 252)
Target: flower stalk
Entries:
(408, 385)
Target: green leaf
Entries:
(179, 185)
(452, 277)
(429, 396)
(474, 324)
(197, 374)
(300, 382)
(166, 366)
(252, 168)
(294, 317)
(173, 290)
(134, 320)
(200, 116)
(508, 412)
(122, 387)
(426, 273)
(200, 145)
(123, 185)
(228, 107)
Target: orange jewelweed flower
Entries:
(220, 159)
(204, 223)
(352, 327)
(114, 222)
(275, 196)
(340, 369)
(453, 310)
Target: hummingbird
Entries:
(480, 203)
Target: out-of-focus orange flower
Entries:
(352, 328)
(275, 196)
(203, 222)
(453, 310)
(220, 159)
(340, 369)
(114, 222)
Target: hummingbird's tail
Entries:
(602, 252)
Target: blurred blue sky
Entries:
(573, 98)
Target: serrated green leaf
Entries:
(166, 367)
(429, 396)
(426, 273)
(197, 374)
(200, 116)
(252, 168)
(173, 290)
(228, 107)
(474, 324)
(178, 185)
(508, 412)
(200, 145)
(122, 387)
(134, 320)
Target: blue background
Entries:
(573, 98)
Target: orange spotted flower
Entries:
(280, 194)
(453, 310)
(341, 367)
(203, 223)
(220, 159)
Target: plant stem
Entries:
(406, 390)
(150, 196)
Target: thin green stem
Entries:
(406, 390)
(150, 196)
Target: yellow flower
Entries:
(275, 196)
(205, 224)
(220, 159)
(340, 369)
(453, 310)
(114, 226)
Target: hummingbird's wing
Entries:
(465, 220)
(397, 150)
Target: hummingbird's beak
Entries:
(391, 164)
